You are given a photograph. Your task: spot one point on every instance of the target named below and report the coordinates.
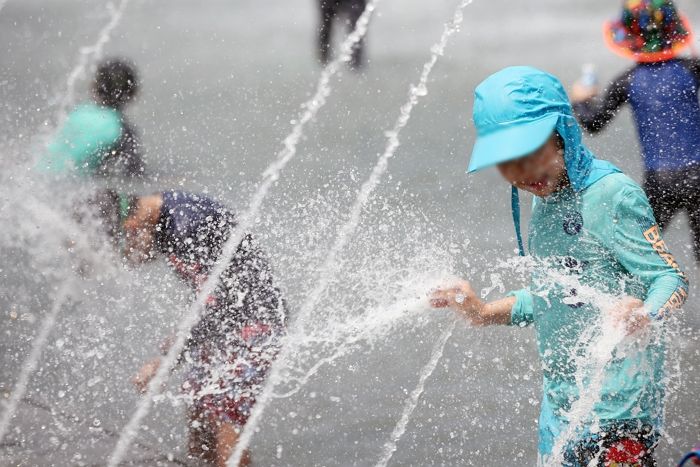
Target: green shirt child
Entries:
(97, 139)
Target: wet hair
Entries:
(116, 82)
(110, 210)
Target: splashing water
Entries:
(74, 418)
(594, 351)
(348, 336)
(69, 246)
(89, 55)
(32, 360)
(246, 221)
(597, 346)
(343, 337)
(41, 211)
(360, 333)
(412, 400)
(329, 267)
(590, 377)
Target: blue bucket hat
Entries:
(515, 112)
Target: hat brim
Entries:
(622, 50)
(511, 143)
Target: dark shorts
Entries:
(231, 348)
(628, 444)
(223, 383)
(671, 192)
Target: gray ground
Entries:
(221, 82)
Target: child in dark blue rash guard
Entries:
(232, 347)
(662, 89)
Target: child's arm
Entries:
(461, 297)
(146, 374)
(637, 243)
(693, 64)
(148, 370)
(593, 113)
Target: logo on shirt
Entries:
(573, 266)
(573, 223)
(652, 235)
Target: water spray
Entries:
(600, 353)
(358, 331)
(89, 55)
(594, 351)
(329, 267)
(246, 221)
(73, 418)
(412, 401)
(32, 361)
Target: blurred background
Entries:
(221, 82)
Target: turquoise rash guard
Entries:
(592, 243)
(82, 142)
(606, 237)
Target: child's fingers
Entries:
(630, 315)
(454, 295)
(438, 294)
(439, 298)
(138, 383)
(447, 298)
(637, 321)
(439, 303)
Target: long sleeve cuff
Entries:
(522, 313)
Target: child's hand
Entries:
(146, 374)
(461, 297)
(166, 344)
(630, 314)
(581, 93)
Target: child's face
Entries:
(139, 228)
(541, 173)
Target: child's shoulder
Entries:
(612, 189)
(615, 184)
(90, 110)
(95, 119)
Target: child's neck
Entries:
(563, 184)
(148, 209)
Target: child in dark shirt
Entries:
(232, 347)
(662, 89)
(97, 139)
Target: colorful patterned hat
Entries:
(649, 31)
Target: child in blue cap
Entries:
(591, 226)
